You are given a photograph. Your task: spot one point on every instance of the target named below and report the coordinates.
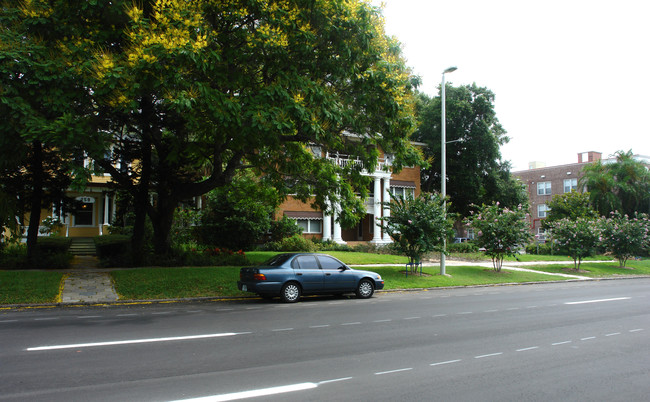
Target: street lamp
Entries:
(443, 163)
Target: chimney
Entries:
(591, 156)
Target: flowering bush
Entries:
(500, 231)
(579, 237)
(625, 237)
(417, 225)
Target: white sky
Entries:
(569, 76)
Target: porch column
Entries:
(376, 230)
(386, 237)
(337, 226)
(327, 227)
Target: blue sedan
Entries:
(290, 276)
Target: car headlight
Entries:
(378, 277)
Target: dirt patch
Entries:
(424, 274)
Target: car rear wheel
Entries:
(290, 292)
(365, 289)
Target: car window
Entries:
(329, 263)
(306, 262)
(277, 260)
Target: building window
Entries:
(541, 235)
(570, 185)
(83, 213)
(309, 225)
(542, 209)
(544, 188)
(402, 192)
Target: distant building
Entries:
(543, 182)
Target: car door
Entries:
(308, 273)
(336, 276)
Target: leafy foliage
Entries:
(579, 237)
(475, 172)
(501, 231)
(238, 215)
(417, 225)
(622, 186)
(572, 205)
(626, 237)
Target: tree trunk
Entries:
(162, 225)
(36, 198)
(141, 199)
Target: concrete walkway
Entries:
(87, 283)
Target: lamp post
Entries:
(443, 163)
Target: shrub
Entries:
(283, 228)
(466, 247)
(51, 254)
(293, 243)
(114, 250)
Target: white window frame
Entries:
(572, 185)
(544, 188)
(542, 210)
(402, 192)
(310, 225)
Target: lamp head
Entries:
(450, 70)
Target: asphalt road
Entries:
(582, 341)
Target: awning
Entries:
(400, 183)
(303, 214)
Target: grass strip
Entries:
(599, 270)
(168, 283)
(171, 283)
(29, 287)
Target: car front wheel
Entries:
(365, 289)
(290, 292)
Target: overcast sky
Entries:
(569, 76)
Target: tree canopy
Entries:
(184, 94)
(623, 185)
(476, 173)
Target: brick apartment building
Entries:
(543, 182)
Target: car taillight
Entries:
(259, 277)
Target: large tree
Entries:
(622, 185)
(202, 89)
(41, 100)
(476, 173)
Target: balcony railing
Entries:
(347, 160)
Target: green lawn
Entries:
(167, 283)
(170, 283)
(29, 287)
(599, 270)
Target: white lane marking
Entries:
(560, 343)
(489, 355)
(382, 320)
(9, 321)
(588, 338)
(46, 319)
(351, 323)
(490, 311)
(447, 362)
(531, 306)
(134, 341)
(530, 348)
(127, 315)
(334, 380)
(253, 393)
(320, 326)
(412, 318)
(393, 371)
(464, 313)
(512, 308)
(282, 329)
(89, 316)
(613, 333)
(636, 330)
(440, 315)
(599, 300)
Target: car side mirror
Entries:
(343, 268)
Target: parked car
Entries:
(290, 276)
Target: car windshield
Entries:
(277, 260)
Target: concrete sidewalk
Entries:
(87, 283)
